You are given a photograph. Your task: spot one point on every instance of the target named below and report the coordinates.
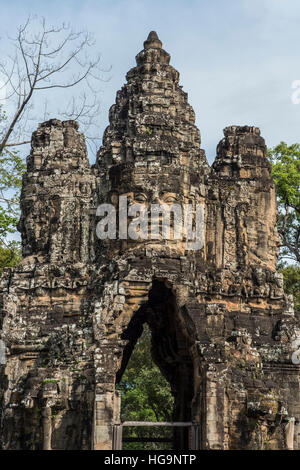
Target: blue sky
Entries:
(237, 58)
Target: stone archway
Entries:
(173, 350)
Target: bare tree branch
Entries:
(14, 144)
(52, 58)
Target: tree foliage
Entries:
(291, 276)
(285, 161)
(10, 255)
(12, 168)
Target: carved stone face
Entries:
(151, 190)
(146, 197)
(159, 187)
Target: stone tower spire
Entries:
(152, 119)
(152, 41)
(241, 176)
(56, 194)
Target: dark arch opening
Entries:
(170, 350)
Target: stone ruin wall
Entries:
(73, 308)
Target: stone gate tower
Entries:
(74, 307)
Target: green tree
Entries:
(146, 396)
(10, 255)
(291, 276)
(285, 161)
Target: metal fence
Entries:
(118, 433)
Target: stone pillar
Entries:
(2, 353)
(289, 434)
(47, 428)
(214, 412)
(103, 417)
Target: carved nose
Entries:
(155, 200)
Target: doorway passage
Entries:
(172, 425)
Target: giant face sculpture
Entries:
(159, 206)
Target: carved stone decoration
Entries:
(74, 307)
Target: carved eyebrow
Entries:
(167, 192)
(169, 196)
(140, 195)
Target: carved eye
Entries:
(169, 198)
(141, 198)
